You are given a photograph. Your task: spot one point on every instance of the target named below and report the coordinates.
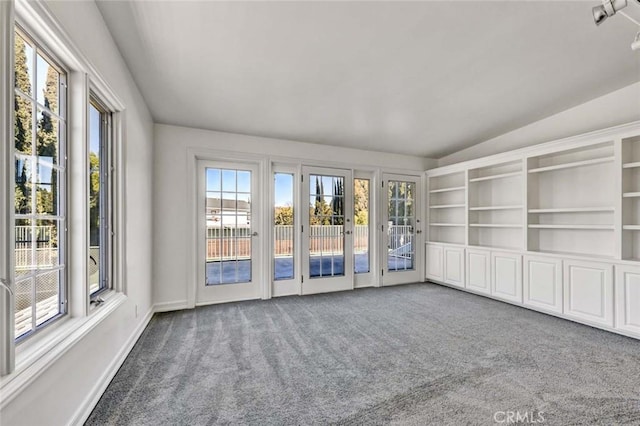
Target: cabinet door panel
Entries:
(454, 266)
(543, 283)
(506, 276)
(588, 291)
(628, 298)
(434, 262)
(478, 270)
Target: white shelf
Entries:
(631, 227)
(494, 208)
(574, 164)
(494, 225)
(574, 210)
(447, 206)
(593, 227)
(446, 224)
(631, 165)
(455, 188)
(631, 194)
(500, 176)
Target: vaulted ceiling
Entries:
(419, 78)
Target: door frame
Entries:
(330, 284)
(416, 274)
(195, 273)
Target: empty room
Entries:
(319, 212)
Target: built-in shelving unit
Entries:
(447, 205)
(495, 205)
(631, 198)
(570, 201)
(553, 227)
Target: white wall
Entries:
(64, 389)
(619, 107)
(172, 211)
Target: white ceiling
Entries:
(419, 78)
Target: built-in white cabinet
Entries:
(542, 283)
(588, 291)
(628, 298)
(553, 227)
(454, 266)
(435, 264)
(506, 276)
(478, 270)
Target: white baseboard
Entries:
(89, 403)
(171, 306)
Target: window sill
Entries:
(35, 356)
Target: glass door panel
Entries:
(361, 219)
(283, 229)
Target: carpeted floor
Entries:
(413, 354)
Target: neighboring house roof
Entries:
(228, 205)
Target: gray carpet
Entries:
(414, 354)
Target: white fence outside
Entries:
(34, 247)
(329, 239)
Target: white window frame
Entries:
(62, 172)
(21, 362)
(291, 286)
(106, 197)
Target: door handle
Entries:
(255, 234)
(419, 231)
(4, 283)
(346, 232)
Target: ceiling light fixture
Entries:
(609, 8)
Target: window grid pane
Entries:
(401, 251)
(326, 226)
(228, 226)
(39, 182)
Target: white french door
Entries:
(402, 232)
(327, 230)
(228, 230)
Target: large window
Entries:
(100, 217)
(40, 175)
